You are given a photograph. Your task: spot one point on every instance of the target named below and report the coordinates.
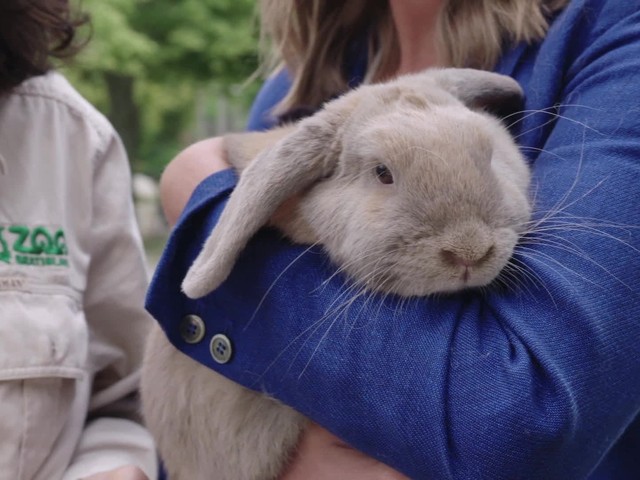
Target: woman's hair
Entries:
(312, 37)
(31, 33)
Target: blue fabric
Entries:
(277, 86)
(273, 90)
(538, 383)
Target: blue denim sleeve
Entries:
(275, 88)
(538, 382)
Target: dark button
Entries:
(192, 329)
(220, 348)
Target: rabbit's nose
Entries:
(467, 257)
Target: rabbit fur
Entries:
(450, 218)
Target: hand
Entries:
(128, 472)
(323, 456)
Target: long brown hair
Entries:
(311, 37)
(31, 33)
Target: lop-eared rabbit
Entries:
(412, 188)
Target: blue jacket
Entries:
(542, 382)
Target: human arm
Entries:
(186, 171)
(113, 436)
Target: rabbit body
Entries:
(411, 189)
(207, 427)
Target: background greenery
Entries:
(168, 72)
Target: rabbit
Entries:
(413, 173)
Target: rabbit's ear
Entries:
(307, 154)
(242, 148)
(478, 89)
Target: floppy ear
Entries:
(478, 89)
(307, 154)
(242, 148)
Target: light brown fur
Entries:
(449, 221)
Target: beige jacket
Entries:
(72, 284)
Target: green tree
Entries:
(149, 61)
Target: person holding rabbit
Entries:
(536, 380)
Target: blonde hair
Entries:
(312, 38)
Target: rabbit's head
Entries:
(410, 186)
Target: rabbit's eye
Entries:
(384, 174)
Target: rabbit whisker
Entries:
(264, 297)
(527, 252)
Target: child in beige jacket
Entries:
(72, 270)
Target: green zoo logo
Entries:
(40, 246)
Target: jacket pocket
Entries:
(42, 335)
(35, 414)
(43, 365)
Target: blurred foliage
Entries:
(159, 69)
